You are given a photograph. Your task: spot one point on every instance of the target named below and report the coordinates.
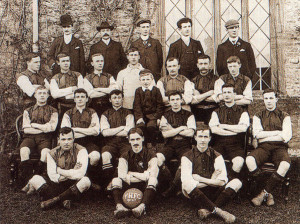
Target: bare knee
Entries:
(24, 153)
(234, 184)
(94, 158)
(283, 168)
(106, 158)
(237, 163)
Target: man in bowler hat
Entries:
(67, 44)
(114, 56)
(235, 46)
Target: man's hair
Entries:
(97, 54)
(62, 55)
(233, 59)
(172, 59)
(184, 20)
(228, 85)
(269, 90)
(174, 93)
(41, 88)
(81, 90)
(132, 49)
(29, 56)
(66, 130)
(202, 127)
(116, 92)
(145, 72)
(203, 56)
(135, 130)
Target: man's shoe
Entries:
(49, 203)
(67, 204)
(228, 218)
(139, 211)
(270, 200)
(258, 200)
(121, 211)
(203, 213)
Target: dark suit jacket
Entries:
(243, 50)
(176, 51)
(114, 57)
(151, 55)
(76, 53)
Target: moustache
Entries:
(136, 145)
(106, 34)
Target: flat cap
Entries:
(141, 21)
(231, 23)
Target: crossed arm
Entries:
(187, 131)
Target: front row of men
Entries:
(202, 172)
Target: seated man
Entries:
(273, 130)
(229, 123)
(63, 84)
(175, 82)
(39, 123)
(177, 126)
(241, 83)
(128, 78)
(85, 123)
(137, 169)
(31, 78)
(99, 84)
(148, 107)
(204, 178)
(204, 99)
(114, 124)
(66, 168)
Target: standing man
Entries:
(229, 123)
(204, 99)
(186, 49)
(31, 78)
(39, 124)
(150, 49)
(112, 51)
(204, 178)
(66, 168)
(273, 129)
(137, 169)
(235, 46)
(69, 45)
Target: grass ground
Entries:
(16, 207)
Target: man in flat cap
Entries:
(235, 46)
(150, 49)
(112, 51)
(186, 49)
(67, 44)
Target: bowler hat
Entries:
(66, 20)
(231, 23)
(141, 21)
(105, 25)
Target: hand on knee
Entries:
(106, 158)
(84, 184)
(44, 154)
(94, 158)
(283, 168)
(237, 164)
(24, 153)
(234, 184)
(251, 163)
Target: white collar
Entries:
(233, 40)
(186, 40)
(68, 38)
(138, 66)
(106, 41)
(150, 88)
(144, 38)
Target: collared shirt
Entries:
(203, 164)
(106, 41)
(128, 81)
(46, 115)
(186, 40)
(112, 118)
(74, 161)
(61, 84)
(275, 120)
(230, 115)
(144, 38)
(87, 118)
(149, 88)
(103, 80)
(180, 83)
(242, 85)
(68, 38)
(233, 40)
